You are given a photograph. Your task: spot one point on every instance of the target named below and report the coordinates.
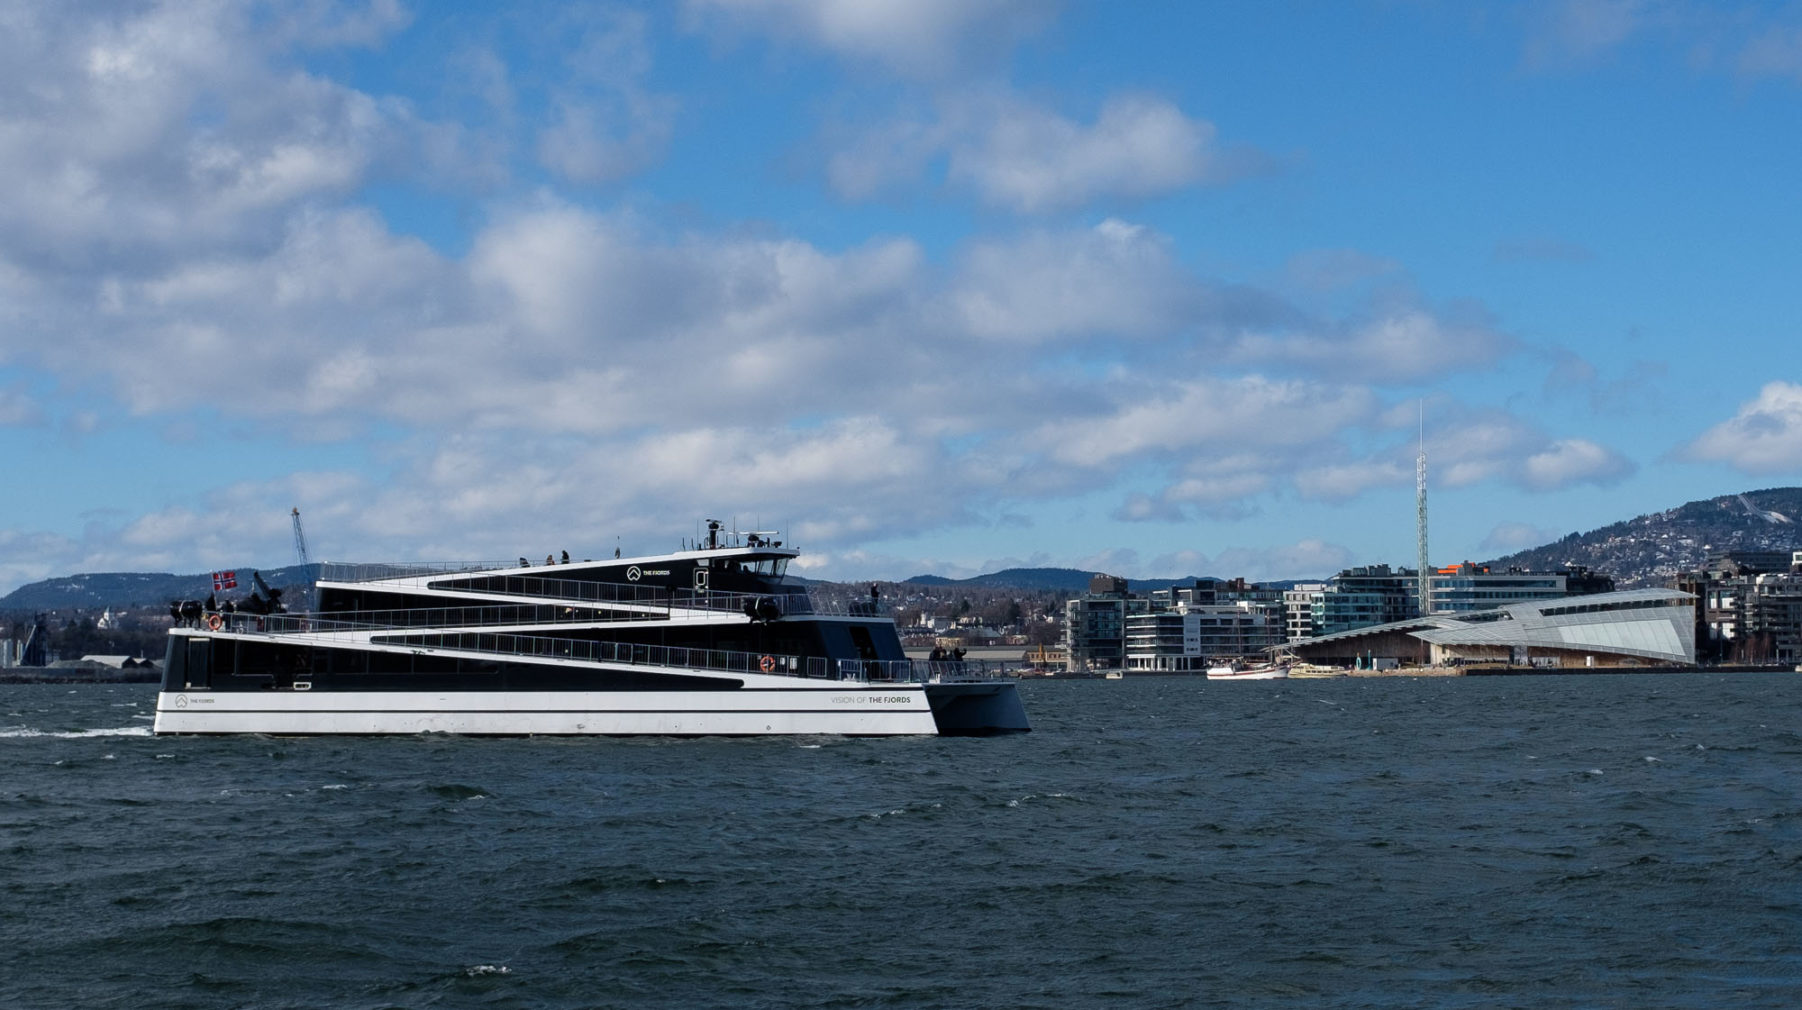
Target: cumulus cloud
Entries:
(1765, 436)
(1029, 159)
(1396, 342)
(921, 39)
(1344, 481)
(1115, 278)
(1247, 412)
(187, 239)
(1574, 461)
(1020, 155)
(175, 131)
(1471, 447)
(572, 350)
(608, 124)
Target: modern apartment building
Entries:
(1752, 606)
(1466, 587)
(1095, 624)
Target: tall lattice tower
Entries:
(1420, 517)
(300, 539)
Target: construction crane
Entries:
(300, 539)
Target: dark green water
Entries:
(1595, 841)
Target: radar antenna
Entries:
(300, 539)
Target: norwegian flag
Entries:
(224, 580)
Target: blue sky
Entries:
(936, 285)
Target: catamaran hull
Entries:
(886, 712)
(900, 710)
(977, 709)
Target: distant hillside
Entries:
(101, 590)
(1649, 549)
(1063, 580)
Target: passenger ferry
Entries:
(710, 639)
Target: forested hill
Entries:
(1065, 580)
(101, 590)
(1647, 550)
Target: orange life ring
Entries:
(214, 622)
(767, 664)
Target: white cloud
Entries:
(1029, 159)
(608, 125)
(924, 39)
(1573, 461)
(1020, 155)
(1240, 413)
(1470, 447)
(1344, 481)
(180, 233)
(1115, 278)
(1397, 343)
(592, 143)
(179, 130)
(1765, 436)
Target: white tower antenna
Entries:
(1420, 516)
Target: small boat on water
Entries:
(1247, 672)
(1113, 675)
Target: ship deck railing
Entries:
(472, 579)
(478, 616)
(896, 671)
(341, 571)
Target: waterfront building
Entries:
(1095, 625)
(1298, 609)
(1638, 627)
(1190, 637)
(1174, 630)
(1751, 606)
(1773, 618)
(1397, 592)
(1466, 587)
(1354, 598)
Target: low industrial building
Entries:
(1639, 627)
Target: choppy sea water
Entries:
(1588, 841)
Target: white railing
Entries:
(340, 571)
(923, 671)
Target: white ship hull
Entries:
(851, 710)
